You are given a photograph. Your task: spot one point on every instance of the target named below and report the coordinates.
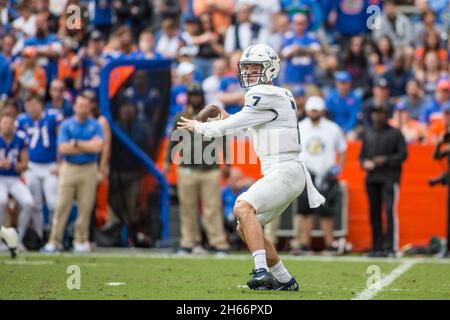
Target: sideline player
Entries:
(41, 128)
(13, 161)
(270, 114)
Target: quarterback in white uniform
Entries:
(270, 115)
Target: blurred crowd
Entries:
(356, 59)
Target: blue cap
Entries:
(402, 106)
(298, 91)
(446, 106)
(342, 76)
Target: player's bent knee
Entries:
(242, 209)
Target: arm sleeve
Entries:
(396, 159)
(246, 118)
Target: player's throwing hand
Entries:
(187, 124)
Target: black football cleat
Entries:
(291, 285)
(262, 280)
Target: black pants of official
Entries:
(382, 194)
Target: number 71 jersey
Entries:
(281, 135)
(41, 135)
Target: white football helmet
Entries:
(259, 54)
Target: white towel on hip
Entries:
(315, 199)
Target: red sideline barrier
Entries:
(421, 209)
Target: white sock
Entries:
(1, 231)
(280, 272)
(259, 256)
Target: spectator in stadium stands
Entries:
(427, 24)
(324, 154)
(198, 180)
(395, 25)
(168, 40)
(145, 48)
(126, 170)
(29, 77)
(244, 32)
(431, 43)
(382, 153)
(346, 17)
(280, 28)
(184, 77)
(381, 58)
(25, 24)
(165, 9)
(7, 16)
(430, 72)
(219, 10)
(13, 162)
(10, 107)
(91, 60)
(433, 106)
(439, 126)
(57, 99)
(412, 130)
(125, 35)
(354, 61)
(381, 93)
(210, 46)
(101, 16)
(6, 78)
(262, 11)
(136, 14)
(80, 141)
(325, 73)
(300, 50)
(231, 94)
(68, 69)
(7, 47)
(48, 46)
(211, 85)
(414, 99)
(397, 77)
(236, 185)
(343, 104)
(43, 6)
(41, 127)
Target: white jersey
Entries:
(270, 115)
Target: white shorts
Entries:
(274, 192)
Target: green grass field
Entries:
(157, 276)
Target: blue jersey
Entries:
(66, 108)
(230, 84)
(11, 152)
(102, 12)
(72, 129)
(299, 69)
(344, 110)
(41, 135)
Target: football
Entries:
(210, 112)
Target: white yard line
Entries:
(369, 293)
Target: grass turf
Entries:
(155, 277)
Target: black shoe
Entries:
(389, 254)
(291, 285)
(262, 280)
(375, 254)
